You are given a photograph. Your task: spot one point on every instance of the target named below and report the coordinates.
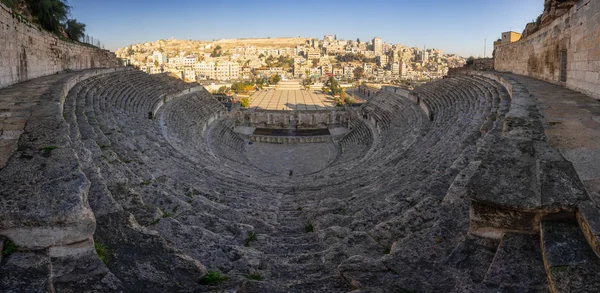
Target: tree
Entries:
(245, 102)
(358, 72)
(275, 79)
(358, 40)
(470, 60)
(223, 89)
(75, 30)
(49, 13)
(217, 51)
(130, 51)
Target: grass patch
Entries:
(212, 278)
(9, 247)
(251, 237)
(146, 182)
(299, 209)
(256, 276)
(46, 151)
(48, 148)
(167, 215)
(101, 251)
(189, 194)
(309, 228)
(154, 222)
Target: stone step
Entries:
(473, 256)
(570, 263)
(518, 265)
(588, 216)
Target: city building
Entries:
(378, 46)
(507, 38)
(157, 56)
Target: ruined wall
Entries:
(539, 55)
(27, 52)
(290, 119)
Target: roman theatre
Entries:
(114, 180)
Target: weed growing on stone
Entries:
(309, 228)
(9, 247)
(299, 209)
(256, 276)
(146, 182)
(155, 221)
(212, 278)
(48, 148)
(251, 237)
(101, 251)
(167, 215)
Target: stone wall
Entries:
(397, 90)
(290, 119)
(539, 55)
(289, 139)
(26, 52)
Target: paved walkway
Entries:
(16, 104)
(573, 127)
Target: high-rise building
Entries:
(377, 45)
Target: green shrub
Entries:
(9, 247)
(101, 251)
(251, 237)
(309, 228)
(256, 276)
(212, 278)
(245, 102)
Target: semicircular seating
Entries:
(176, 195)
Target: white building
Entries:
(189, 60)
(378, 46)
(159, 57)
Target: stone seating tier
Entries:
(403, 199)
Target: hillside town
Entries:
(245, 59)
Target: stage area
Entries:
(291, 132)
(291, 100)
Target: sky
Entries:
(454, 26)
